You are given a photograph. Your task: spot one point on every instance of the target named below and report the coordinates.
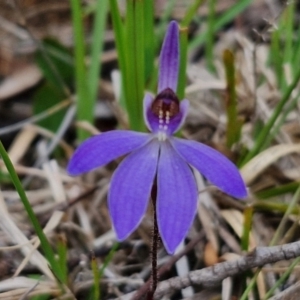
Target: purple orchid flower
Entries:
(158, 156)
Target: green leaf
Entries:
(56, 64)
(45, 97)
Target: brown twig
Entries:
(190, 246)
(212, 276)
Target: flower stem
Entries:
(155, 241)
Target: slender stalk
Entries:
(167, 267)
(155, 241)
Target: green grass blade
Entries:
(260, 141)
(97, 44)
(227, 17)
(271, 206)
(108, 258)
(296, 54)
(276, 59)
(288, 31)
(210, 36)
(281, 120)
(45, 97)
(96, 277)
(275, 238)
(149, 55)
(163, 23)
(248, 213)
(250, 285)
(135, 62)
(119, 33)
(85, 105)
(278, 190)
(183, 44)
(282, 278)
(36, 225)
(278, 233)
(234, 125)
(191, 12)
(56, 64)
(62, 252)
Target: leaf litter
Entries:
(76, 207)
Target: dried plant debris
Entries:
(220, 255)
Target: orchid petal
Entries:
(130, 189)
(169, 59)
(176, 123)
(103, 148)
(149, 117)
(176, 197)
(219, 170)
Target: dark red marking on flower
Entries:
(166, 101)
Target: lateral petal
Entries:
(176, 197)
(177, 122)
(103, 148)
(218, 169)
(149, 118)
(130, 189)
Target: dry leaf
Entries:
(264, 159)
(210, 255)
